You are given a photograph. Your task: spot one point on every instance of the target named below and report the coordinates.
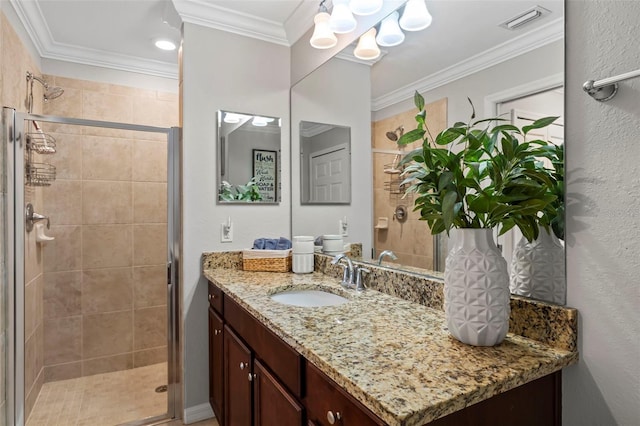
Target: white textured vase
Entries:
(537, 269)
(476, 289)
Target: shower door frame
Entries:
(14, 131)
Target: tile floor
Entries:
(103, 399)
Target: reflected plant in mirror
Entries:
(325, 163)
(248, 148)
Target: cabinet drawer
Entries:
(215, 298)
(280, 357)
(325, 400)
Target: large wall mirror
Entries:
(470, 50)
(325, 163)
(249, 158)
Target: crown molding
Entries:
(299, 22)
(534, 39)
(35, 25)
(202, 13)
(314, 129)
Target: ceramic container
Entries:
(302, 244)
(302, 263)
(332, 244)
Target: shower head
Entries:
(396, 134)
(50, 92)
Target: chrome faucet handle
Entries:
(359, 283)
(345, 275)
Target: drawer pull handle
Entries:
(252, 377)
(243, 365)
(211, 296)
(216, 332)
(331, 418)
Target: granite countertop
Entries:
(394, 356)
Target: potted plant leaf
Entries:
(248, 192)
(474, 177)
(537, 267)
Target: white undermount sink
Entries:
(308, 298)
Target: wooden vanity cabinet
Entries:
(216, 364)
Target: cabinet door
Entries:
(237, 380)
(273, 405)
(216, 365)
(327, 404)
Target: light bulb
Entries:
(390, 33)
(365, 7)
(342, 20)
(367, 49)
(415, 17)
(323, 37)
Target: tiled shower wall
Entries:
(105, 288)
(411, 240)
(16, 61)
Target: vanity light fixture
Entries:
(261, 121)
(342, 20)
(390, 33)
(415, 17)
(165, 44)
(323, 37)
(367, 49)
(365, 7)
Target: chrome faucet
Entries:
(347, 272)
(389, 253)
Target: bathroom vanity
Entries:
(375, 360)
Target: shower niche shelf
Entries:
(39, 173)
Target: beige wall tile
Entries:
(149, 202)
(66, 83)
(107, 334)
(62, 294)
(150, 286)
(64, 253)
(63, 202)
(132, 92)
(169, 96)
(107, 364)
(106, 202)
(106, 158)
(62, 340)
(150, 158)
(107, 290)
(155, 112)
(150, 327)
(149, 356)
(99, 105)
(67, 105)
(30, 368)
(108, 133)
(149, 245)
(62, 129)
(106, 246)
(68, 157)
(30, 308)
(71, 370)
(32, 395)
(32, 257)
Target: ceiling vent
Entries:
(524, 18)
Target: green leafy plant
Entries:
(552, 218)
(248, 192)
(479, 175)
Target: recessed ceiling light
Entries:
(165, 45)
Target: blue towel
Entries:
(272, 244)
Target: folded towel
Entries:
(271, 244)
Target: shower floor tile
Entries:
(103, 399)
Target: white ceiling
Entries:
(119, 34)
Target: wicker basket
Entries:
(266, 260)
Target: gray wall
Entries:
(259, 76)
(603, 244)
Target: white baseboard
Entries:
(197, 413)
